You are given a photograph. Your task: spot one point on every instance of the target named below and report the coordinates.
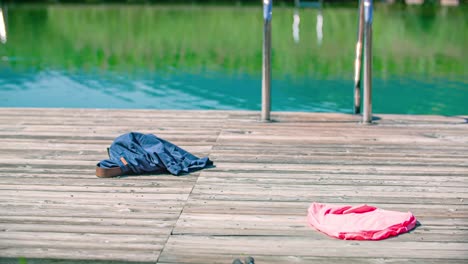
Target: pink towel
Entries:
(361, 222)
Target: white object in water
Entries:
(295, 27)
(319, 28)
(3, 36)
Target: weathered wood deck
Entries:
(253, 203)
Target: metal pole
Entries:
(367, 115)
(266, 69)
(358, 60)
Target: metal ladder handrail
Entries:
(365, 33)
(266, 65)
(364, 49)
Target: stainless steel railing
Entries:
(367, 111)
(266, 69)
(358, 61)
(364, 47)
(363, 53)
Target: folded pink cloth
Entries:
(361, 222)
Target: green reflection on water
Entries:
(407, 40)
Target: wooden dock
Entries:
(254, 202)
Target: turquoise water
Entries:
(121, 57)
(216, 90)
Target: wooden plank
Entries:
(133, 183)
(182, 189)
(356, 160)
(87, 237)
(139, 201)
(90, 254)
(333, 167)
(116, 128)
(309, 246)
(98, 113)
(76, 245)
(108, 137)
(287, 225)
(124, 216)
(343, 189)
(11, 229)
(184, 258)
(196, 206)
(336, 199)
(77, 144)
(314, 179)
(66, 261)
(62, 175)
(102, 206)
(307, 148)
